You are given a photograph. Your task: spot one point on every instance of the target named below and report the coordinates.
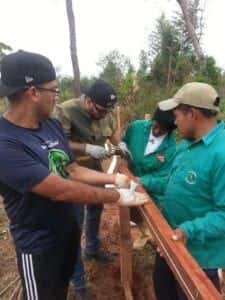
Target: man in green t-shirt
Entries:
(194, 201)
(88, 122)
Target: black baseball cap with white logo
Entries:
(102, 93)
(23, 69)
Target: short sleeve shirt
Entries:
(27, 156)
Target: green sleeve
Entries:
(125, 136)
(127, 133)
(212, 224)
(153, 184)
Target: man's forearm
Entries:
(84, 194)
(115, 138)
(77, 147)
(60, 189)
(89, 176)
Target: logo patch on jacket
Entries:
(191, 177)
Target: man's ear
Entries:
(32, 93)
(88, 102)
(195, 113)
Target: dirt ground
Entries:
(104, 280)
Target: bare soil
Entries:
(104, 280)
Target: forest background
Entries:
(169, 61)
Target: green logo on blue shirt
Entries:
(58, 161)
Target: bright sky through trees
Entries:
(41, 26)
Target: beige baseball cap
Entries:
(195, 94)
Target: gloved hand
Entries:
(95, 151)
(122, 181)
(122, 149)
(128, 197)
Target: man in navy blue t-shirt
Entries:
(39, 180)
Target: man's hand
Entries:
(179, 235)
(122, 149)
(95, 151)
(122, 181)
(131, 198)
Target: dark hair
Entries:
(208, 113)
(164, 118)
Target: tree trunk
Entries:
(170, 50)
(190, 28)
(73, 47)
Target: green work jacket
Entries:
(195, 196)
(152, 169)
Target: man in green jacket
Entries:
(194, 201)
(151, 146)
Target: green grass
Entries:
(3, 106)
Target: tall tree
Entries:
(113, 67)
(185, 7)
(164, 52)
(143, 68)
(73, 47)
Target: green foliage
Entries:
(172, 59)
(222, 109)
(195, 11)
(86, 82)
(4, 49)
(144, 65)
(168, 63)
(126, 86)
(117, 70)
(3, 105)
(209, 73)
(66, 88)
(113, 68)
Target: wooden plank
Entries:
(128, 293)
(125, 247)
(125, 239)
(192, 279)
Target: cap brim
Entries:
(6, 91)
(168, 104)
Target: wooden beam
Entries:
(125, 248)
(190, 276)
(125, 239)
(128, 293)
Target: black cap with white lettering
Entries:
(102, 93)
(23, 69)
